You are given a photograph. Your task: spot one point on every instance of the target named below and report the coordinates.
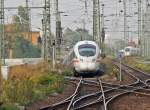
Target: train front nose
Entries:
(83, 66)
(87, 65)
(91, 66)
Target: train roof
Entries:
(85, 42)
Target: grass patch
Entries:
(8, 107)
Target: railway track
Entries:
(110, 95)
(96, 100)
(139, 88)
(94, 94)
(82, 92)
(142, 80)
(138, 74)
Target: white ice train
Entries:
(86, 58)
(131, 51)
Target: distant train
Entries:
(86, 58)
(121, 52)
(131, 51)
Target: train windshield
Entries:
(87, 50)
(127, 49)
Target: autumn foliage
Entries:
(27, 70)
(28, 84)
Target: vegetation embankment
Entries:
(28, 84)
(133, 62)
(111, 73)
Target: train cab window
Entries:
(127, 49)
(87, 50)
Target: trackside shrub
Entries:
(8, 107)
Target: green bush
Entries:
(48, 84)
(47, 79)
(8, 107)
(67, 72)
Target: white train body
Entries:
(121, 52)
(131, 51)
(86, 57)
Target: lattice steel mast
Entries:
(96, 22)
(47, 38)
(1, 42)
(28, 24)
(84, 20)
(58, 25)
(102, 29)
(147, 39)
(2, 36)
(146, 32)
(125, 22)
(139, 23)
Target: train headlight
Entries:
(81, 60)
(75, 61)
(98, 60)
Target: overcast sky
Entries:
(74, 9)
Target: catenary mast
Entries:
(2, 36)
(96, 22)
(47, 38)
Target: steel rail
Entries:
(89, 104)
(68, 100)
(110, 97)
(51, 107)
(74, 95)
(121, 88)
(103, 95)
(148, 82)
(122, 94)
(138, 74)
(135, 88)
(95, 83)
(131, 87)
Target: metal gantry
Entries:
(2, 38)
(96, 22)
